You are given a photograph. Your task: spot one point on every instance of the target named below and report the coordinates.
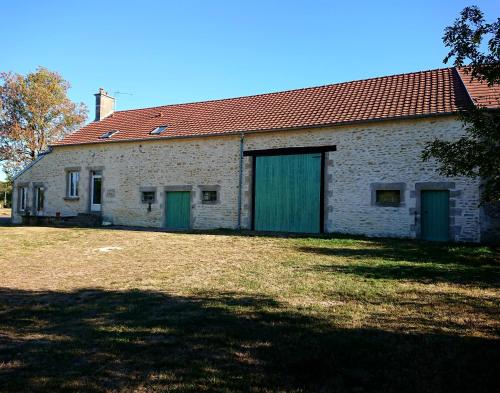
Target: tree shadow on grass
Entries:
(415, 261)
(4, 221)
(97, 341)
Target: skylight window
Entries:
(158, 130)
(108, 134)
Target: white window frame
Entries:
(95, 207)
(73, 184)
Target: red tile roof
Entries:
(415, 94)
(480, 92)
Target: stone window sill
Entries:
(389, 204)
(71, 198)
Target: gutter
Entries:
(257, 131)
(40, 156)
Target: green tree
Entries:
(475, 45)
(5, 192)
(35, 111)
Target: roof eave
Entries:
(255, 131)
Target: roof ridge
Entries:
(286, 91)
(401, 96)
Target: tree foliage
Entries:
(35, 111)
(473, 41)
(477, 154)
(5, 193)
(5, 186)
(466, 40)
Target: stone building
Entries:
(337, 158)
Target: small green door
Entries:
(178, 209)
(287, 193)
(435, 206)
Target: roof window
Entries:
(158, 130)
(108, 134)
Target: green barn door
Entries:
(435, 215)
(178, 209)
(287, 193)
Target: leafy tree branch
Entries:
(35, 111)
(476, 154)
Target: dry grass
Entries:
(146, 311)
(4, 212)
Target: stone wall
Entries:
(128, 167)
(376, 152)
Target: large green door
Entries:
(435, 215)
(178, 209)
(287, 193)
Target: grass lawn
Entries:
(100, 310)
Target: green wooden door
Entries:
(287, 193)
(435, 208)
(178, 209)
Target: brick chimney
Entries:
(104, 105)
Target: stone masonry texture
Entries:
(375, 152)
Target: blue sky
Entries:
(164, 52)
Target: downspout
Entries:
(240, 180)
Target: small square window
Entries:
(388, 197)
(209, 196)
(148, 196)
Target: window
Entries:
(158, 130)
(39, 198)
(209, 196)
(388, 194)
(95, 190)
(388, 197)
(73, 180)
(108, 134)
(148, 196)
(23, 198)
